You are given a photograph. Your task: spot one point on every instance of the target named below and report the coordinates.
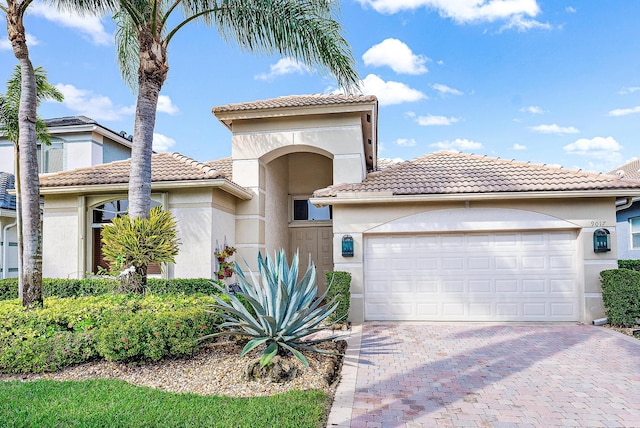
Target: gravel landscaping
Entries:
(217, 369)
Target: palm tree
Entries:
(31, 274)
(9, 127)
(302, 29)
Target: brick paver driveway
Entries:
(496, 375)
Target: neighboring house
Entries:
(447, 236)
(8, 238)
(628, 215)
(75, 142)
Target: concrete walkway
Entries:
(488, 375)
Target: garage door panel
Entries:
(528, 276)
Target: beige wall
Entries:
(583, 214)
(61, 238)
(205, 218)
(277, 205)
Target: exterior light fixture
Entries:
(601, 241)
(347, 246)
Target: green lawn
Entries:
(114, 403)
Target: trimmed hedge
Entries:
(120, 327)
(339, 284)
(629, 264)
(621, 296)
(97, 286)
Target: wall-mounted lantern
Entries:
(601, 241)
(347, 246)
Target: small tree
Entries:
(132, 244)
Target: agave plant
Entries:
(286, 311)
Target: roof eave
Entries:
(352, 198)
(221, 183)
(227, 117)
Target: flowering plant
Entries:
(225, 267)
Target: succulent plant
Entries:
(285, 311)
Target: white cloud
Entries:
(444, 89)
(405, 142)
(90, 26)
(410, 114)
(397, 55)
(519, 147)
(430, 120)
(629, 90)
(162, 143)
(457, 144)
(462, 11)
(165, 105)
(554, 129)
(571, 9)
(520, 23)
(5, 44)
(95, 106)
(598, 147)
(624, 111)
(283, 67)
(532, 110)
(389, 92)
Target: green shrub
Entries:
(629, 264)
(62, 287)
(68, 331)
(621, 296)
(154, 331)
(339, 284)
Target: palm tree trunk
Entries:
(151, 77)
(31, 275)
(18, 218)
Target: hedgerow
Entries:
(120, 327)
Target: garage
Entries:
(528, 275)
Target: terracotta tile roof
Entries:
(295, 101)
(164, 167)
(451, 173)
(628, 170)
(7, 182)
(224, 166)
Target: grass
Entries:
(115, 403)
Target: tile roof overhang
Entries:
(168, 170)
(456, 176)
(294, 105)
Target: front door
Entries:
(316, 241)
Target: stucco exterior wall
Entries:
(61, 238)
(585, 215)
(205, 217)
(10, 245)
(277, 205)
(625, 252)
(112, 151)
(6, 156)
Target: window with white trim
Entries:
(634, 227)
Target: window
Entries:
(303, 210)
(104, 214)
(50, 158)
(634, 226)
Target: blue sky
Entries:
(555, 82)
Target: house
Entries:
(447, 236)
(628, 215)
(76, 142)
(8, 238)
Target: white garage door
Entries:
(511, 276)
